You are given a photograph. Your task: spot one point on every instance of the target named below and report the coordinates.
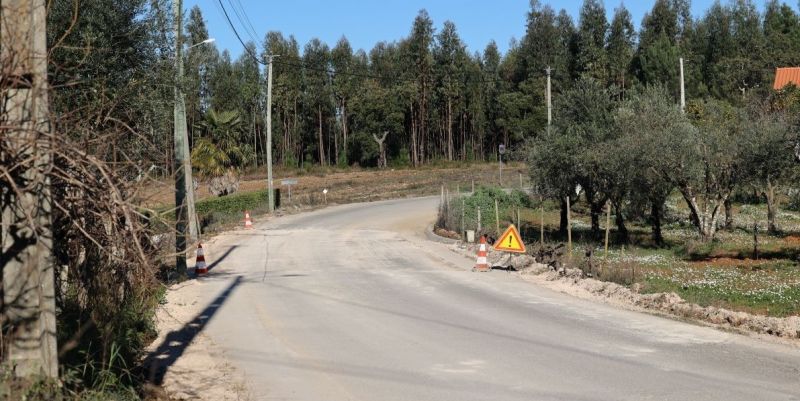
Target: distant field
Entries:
(344, 186)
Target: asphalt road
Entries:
(352, 303)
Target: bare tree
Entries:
(381, 149)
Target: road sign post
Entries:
(289, 182)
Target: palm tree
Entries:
(219, 150)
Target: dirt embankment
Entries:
(572, 281)
(358, 185)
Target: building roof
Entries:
(785, 76)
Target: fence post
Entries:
(479, 220)
(463, 205)
(608, 228)
(519, 225)
(569, 230)
(521, 188)
(496, 218)
(541, 221)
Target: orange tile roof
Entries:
(785, 76)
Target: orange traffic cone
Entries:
(200, 267)
(248, 223)
(482, 264)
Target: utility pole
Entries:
(28, 284)
(270, 194)
(683, 93)
(185, 219)
(548, 95)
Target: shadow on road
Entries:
(221, 258)
(176, 342)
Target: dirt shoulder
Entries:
(571, 281)
(192, 366)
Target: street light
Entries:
(209, 40)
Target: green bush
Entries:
(483, 199)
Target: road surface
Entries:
(352, 303)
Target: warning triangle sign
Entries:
(510, 241)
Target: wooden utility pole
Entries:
(28, 285)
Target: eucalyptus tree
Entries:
(287, 89)
(591, 59)
(198, 63)
(449, 62)
(419, 60)
(620, 48)
(345, 85)
(316, 62)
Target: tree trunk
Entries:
(705, 220)
(344, 134)
(413, 149)
(321, 141)
(728, 214)
(562, 224)
(769, 194)
(622, 231)
(595, 209)
(449, 129)
(655, 221)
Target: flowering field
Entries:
(723, 273)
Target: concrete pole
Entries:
(270, 190)
(28, 283)
(683, 92)
(479, 220)
(185, 221)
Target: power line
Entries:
(247, 20)
(321, 69)
(241, 21)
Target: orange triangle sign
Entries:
(510, 241)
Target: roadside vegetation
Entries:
(723, 273)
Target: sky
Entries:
(367, 22)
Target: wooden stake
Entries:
(569, 229)
(608, 227)
(496, 218)
(541, 221)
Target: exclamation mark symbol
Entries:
(510, 237)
